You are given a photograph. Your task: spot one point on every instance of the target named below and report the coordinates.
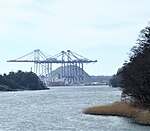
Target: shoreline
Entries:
(125, 109)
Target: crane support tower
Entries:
(71, 64)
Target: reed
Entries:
(143, 117)
(125, 109)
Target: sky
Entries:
(103, 30)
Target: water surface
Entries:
(60, 109)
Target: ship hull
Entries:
(55, 84)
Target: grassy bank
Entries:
(126, 109)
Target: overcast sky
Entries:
(103, 30)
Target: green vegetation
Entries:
(20, 81)
(134, 80)
(116, 80)
(134, 76)
(136, 73)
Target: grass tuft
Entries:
(125, 109)
(143, 117)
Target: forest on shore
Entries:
(21, 81)
(134, 76)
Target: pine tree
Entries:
(136, 72)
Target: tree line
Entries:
(20, 81)
(134, 76)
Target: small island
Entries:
(20, 81)
(134, 81)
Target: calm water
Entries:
(60, 109)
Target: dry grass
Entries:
(143, 117)
(121, 109)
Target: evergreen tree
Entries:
(136, 72)
(116, 81)
(21, 81)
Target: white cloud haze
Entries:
(76, 24)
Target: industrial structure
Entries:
(71, 63)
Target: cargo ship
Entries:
(56, 82)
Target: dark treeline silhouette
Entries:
(116, 80)
(20, 81)
(134, 76)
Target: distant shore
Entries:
(125, 109)
(5, 88)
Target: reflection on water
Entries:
(60, 108)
